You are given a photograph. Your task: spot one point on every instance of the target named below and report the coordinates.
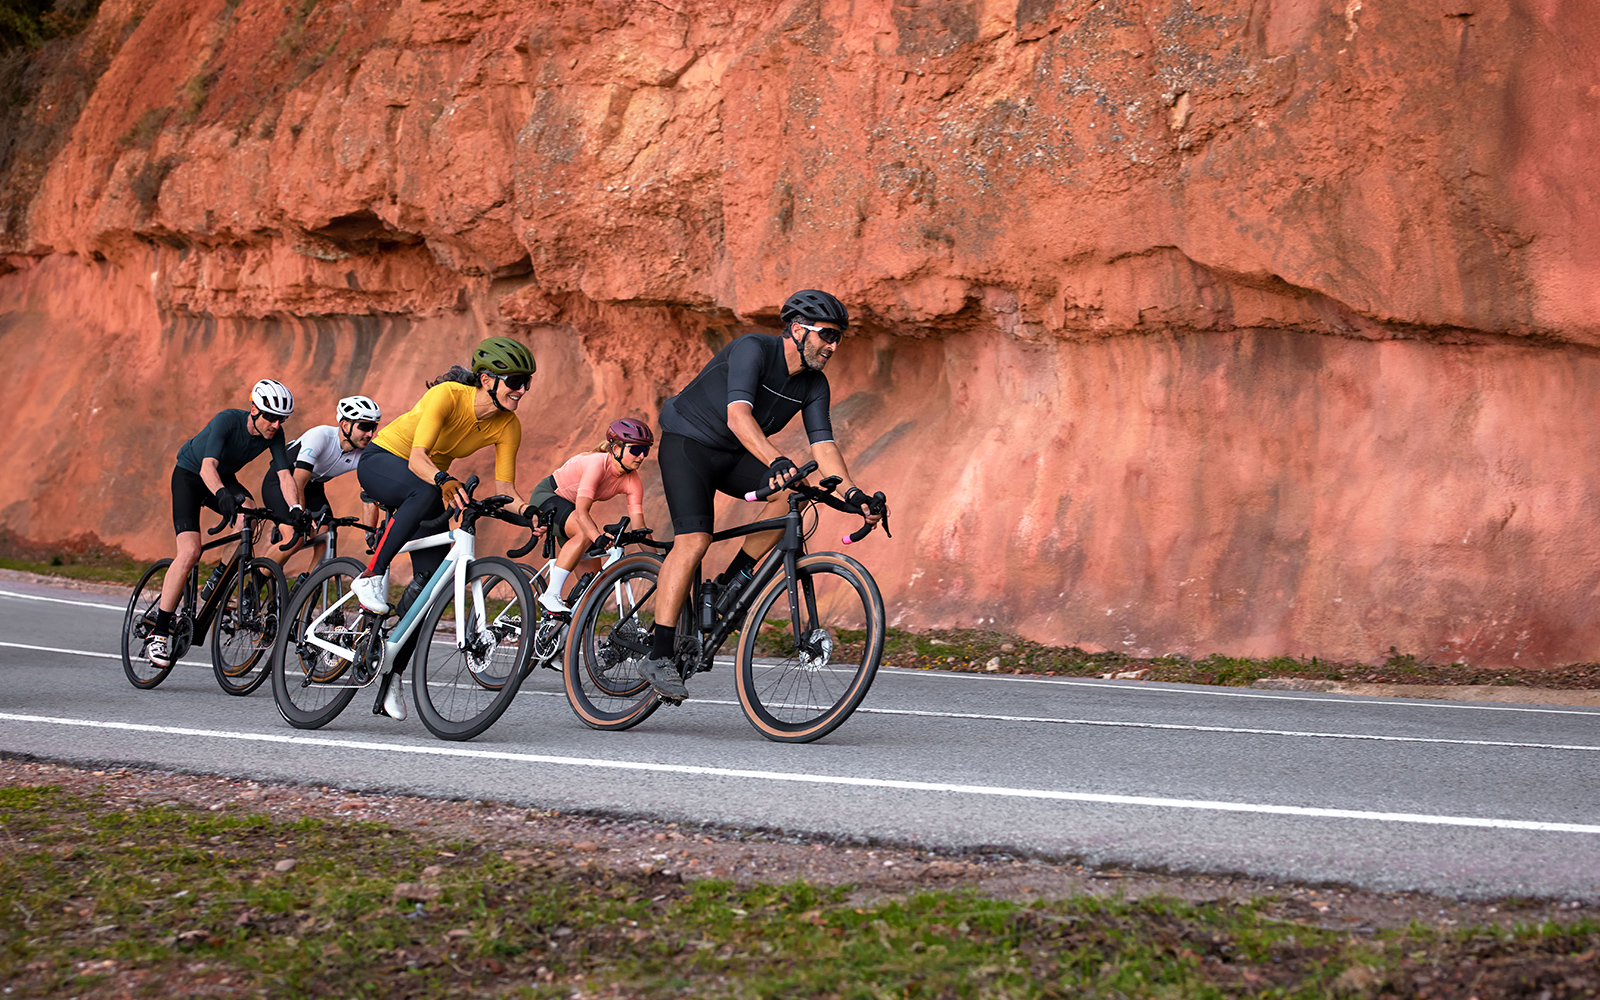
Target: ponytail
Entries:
(456, 373)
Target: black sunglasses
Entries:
(827, 335)
(366, 425)
(639, 450)
(271, 418)
(517, 381)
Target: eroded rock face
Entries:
(1190, 326)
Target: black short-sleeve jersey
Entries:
(751, 370)
(227, 439)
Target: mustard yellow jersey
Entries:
(442, 423)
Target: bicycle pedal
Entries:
(674, 702)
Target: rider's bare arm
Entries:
(421, 465)
(742, 421)
(300, 480)
(210, 475)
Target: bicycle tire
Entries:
(604, 686)
(794, 695)
(301, 672)
(242, 639)
(136, 623)
(459, 693)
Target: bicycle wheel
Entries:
(137, 623)
(247, 626)
(311, 684)
(611, 637)
(798, 692)
(459, 691)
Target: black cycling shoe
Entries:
(664, 676)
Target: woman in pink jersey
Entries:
(566, 496)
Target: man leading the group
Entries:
(716, 437)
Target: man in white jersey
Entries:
(323, 453)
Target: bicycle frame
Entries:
(463, 547)
(206, 613)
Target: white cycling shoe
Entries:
(394, 702)
(372, 592)
(553, 604)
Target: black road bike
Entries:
(810, 627)
(239, 606)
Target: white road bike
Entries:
(464, 630)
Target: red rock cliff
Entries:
(1199, 325)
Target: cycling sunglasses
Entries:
(517, 381)
(366, 425)
(638, 450)
(271, 418)
(826, 334)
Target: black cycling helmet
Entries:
(502, 356)
(630, 431)
(811, 305)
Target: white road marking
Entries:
(60, 600)
(1151, 688)
(437, 750)
(1224, 729)
(1049, 720)
(85, 652)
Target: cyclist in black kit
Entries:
(716, 437)
(207, 476)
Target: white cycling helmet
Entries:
(359, 408)
(272, 398)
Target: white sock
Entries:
(551, 598)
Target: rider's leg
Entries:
(577, 542)
(272, 499)
(673, 581)
(388, 478)
(189, 494)
(187, 556)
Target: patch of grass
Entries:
(290, 40)
(193, 97)
(168, 900)
(142, 133)
(981, 650)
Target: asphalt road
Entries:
(1458, 798)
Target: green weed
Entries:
(177, 901)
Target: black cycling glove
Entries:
(227, 503)
(781, 469)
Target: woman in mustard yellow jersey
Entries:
(407, 464)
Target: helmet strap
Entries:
(494, 392)
(800, 345)
(346, 434)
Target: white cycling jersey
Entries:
(318, 450)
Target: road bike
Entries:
(550, 634)
(328, 540)
(240, 606)
(810, 627)
(464, 630)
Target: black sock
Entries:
(666, 643)
(163, 625)
(742, 563)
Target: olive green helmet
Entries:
(502, 356)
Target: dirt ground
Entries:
(745, 856)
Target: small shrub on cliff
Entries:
(194, 96)
(142, 133)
